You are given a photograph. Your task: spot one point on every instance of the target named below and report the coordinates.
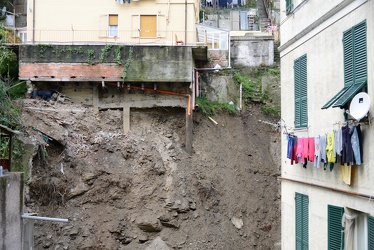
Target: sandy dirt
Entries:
(124, 191)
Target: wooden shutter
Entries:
(360, 54)
(335, 229)
(370, 232)
(113, 20)
(288, 6)
(302, 221)
(348, 57)
(301, 92)
(148, 26)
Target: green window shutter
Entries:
(370, 232)
(360, 54)
(288, 6)
(302, 221)
(348, 57)
(335, 229)
(297, 93)
(301, 93)
(355, 65)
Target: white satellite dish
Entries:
(359, 106)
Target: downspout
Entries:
(33, 21)
(185, 21)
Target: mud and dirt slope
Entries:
(143, 191)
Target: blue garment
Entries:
(347, 152)
(289, 146)
(355, 145)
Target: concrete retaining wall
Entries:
(96, 62)
(11, 207)
(252, 51)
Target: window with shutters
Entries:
(301, 93)
(113, 26)
(370, 232)
(302, 221)
(355, 66)
(294, 5)
(335, 230)
(148, 25)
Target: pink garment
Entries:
(306, 149)
(311, 149)
(300, 149)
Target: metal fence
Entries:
(213, 40)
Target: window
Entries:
(302, 221)
(335, 229)
(370, 232)
(148, 26)
(301, 101)
(113, 26)
(355, 66)
(289, 6)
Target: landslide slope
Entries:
(130, 191)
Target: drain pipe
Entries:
(33, 21)
(185, 22)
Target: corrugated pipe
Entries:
(328, 188)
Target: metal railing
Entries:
(213, 40)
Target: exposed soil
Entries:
(123, 191)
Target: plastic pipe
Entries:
(43, 218)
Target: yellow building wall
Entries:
(87, 20)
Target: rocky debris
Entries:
(168, 220)
(80, 189)
(157, 244)
(238, 223)
(149, 224)
(125, 191)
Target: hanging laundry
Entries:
(358, 127)
(311, 149)
(347, 153)
(294, 158)
(317, 152)
(338, 142)
(322, 144)
(330, 151)
(345, 173)
(355, 145)
(300, 149)
(305, 155)
(289, 145)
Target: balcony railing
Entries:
(213, 40)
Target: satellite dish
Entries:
(359, 106)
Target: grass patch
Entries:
(271, 110)
(209, 108)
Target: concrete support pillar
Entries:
(126, 119)
(189, 127)
(28, 230)
(95, 96)
(11, 206)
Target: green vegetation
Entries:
(271, 110)
(209, 108)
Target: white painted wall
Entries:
(323, 46)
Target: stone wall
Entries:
(252, 51)
(11, 208)
(47, 62)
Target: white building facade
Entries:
(327, 58)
